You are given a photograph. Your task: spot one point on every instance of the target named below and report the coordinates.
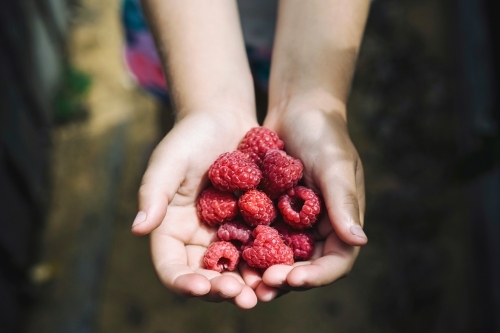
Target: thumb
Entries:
(341, 200)
(159, 184)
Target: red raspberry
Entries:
(301, 241)
(267, 249)
(258, 141)
(221, 256)
(280, 172)
(300, 207)
(257, 208)
(216, 207)
(235, 232)
(234, 171)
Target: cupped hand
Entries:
(331, 167)
(175, 176)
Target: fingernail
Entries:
(141, 217)
(358, 231)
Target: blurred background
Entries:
(76, 134)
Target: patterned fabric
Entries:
(144, 63)
(140, 51)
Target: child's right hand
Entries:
(176, 174)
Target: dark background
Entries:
(76, 135)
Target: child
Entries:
(201, 47)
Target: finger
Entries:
(165, 173)
(360, 187)
(338, 186)
(336, 263)
(246, 299)
(171, 264)
(251, 276)
(276, 276)
(229, 287)
(223, 287)
(266, 293)
(189, 284)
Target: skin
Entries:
(211, 85)
(309, 87)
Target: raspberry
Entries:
(235, 232)
(234, 171)
(267, 249)
(280, 172)
(216, 207)
(258, 141)
(257, 208)
(221, 256)
(301, 241)
(300, 207)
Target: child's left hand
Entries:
(331, 167)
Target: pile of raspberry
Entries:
(262, 214)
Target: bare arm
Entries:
(314, 56)
(315, 52)
(202, 50)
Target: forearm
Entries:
(202, 50)
(315, 52)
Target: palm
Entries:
(331, 167)
(180, 241)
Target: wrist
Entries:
(294, 105)
(229, 109)
(227, 119)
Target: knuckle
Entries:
(351, 203)
(347, 271)
(359, 166)
(143, 190)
